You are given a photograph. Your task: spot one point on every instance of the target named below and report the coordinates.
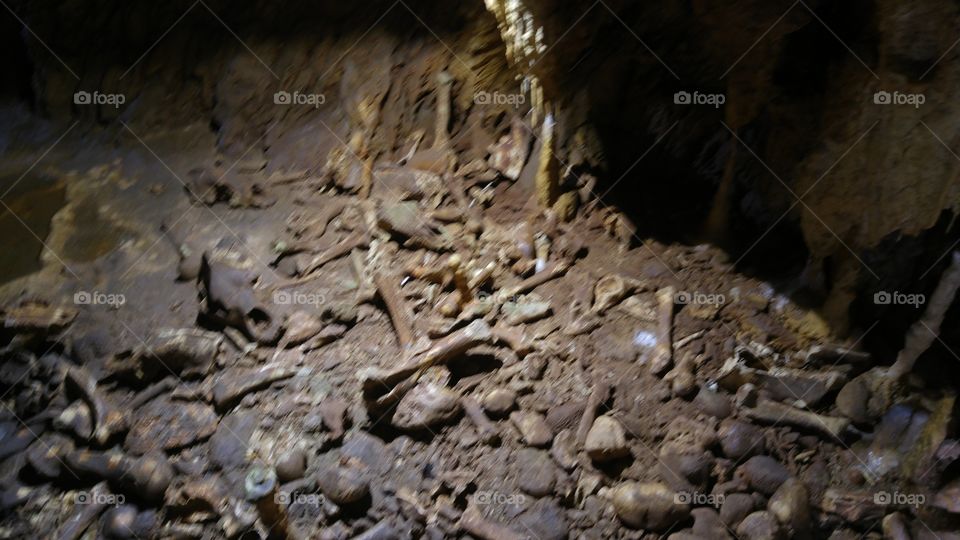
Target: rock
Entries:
(738, 440)
(852, 401)
(426, 405)
(543, 520)
(895, 527)
(235, 383)
(687, 472)
(524, 312)
(228, 445)
(368, 450)
(499, 402)
(536, 474)
(759, 526)
(608, 292)
(125, 522)
(689, 434)
(334, 415)
(713, 403)
(170, 425)
(565, 416)
(292, 465)
(735, 507)
(763, 474)
(343, 481)
(606, 440)
(707, 524)
(648, 506)
(790, 504)
(533, 428)
(564, 449)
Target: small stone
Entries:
(606, 440)
(499, 402)
(735, 507)
(544, 520)
(334, 415)
(739, 440)
(648, 506)
(125, 522)
(713, 403)
(790, 504)
(342, 482)
(759, 526)
(533, 428)
(292, 465)
(170, 425)
(688, 471)
(228, 445)
(564, 449)
(853, 400)
(707, 524)
(424, 406)
(536, 474)
(763, 474)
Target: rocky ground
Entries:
(414, 347)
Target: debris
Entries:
(291, 465)
(107, 420)
(334, 415)
(261, 488)
(126, 522)
(763, 473)
(426, 405)
(170, 425)
(759, 526)
(147, 476)
(399, 312)
(85, 514)
(510, 153)
(713, 403)
(500, 401)
(536, 474)
(229, 299)
(524, 312)
(235, 383)
(790, 504)
(486, 430)
(342, 480)
(599, 395)
(473, 522)
(739, 440)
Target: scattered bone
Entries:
(580, 320)
(37, 316)
(769, 411)
(524, 312)
(549, 272)
(608, 291)
(403, 219)
(400, 314)
(148, 476)
(261, 487)
(820, 355)
(783, 384)
(509, 154)
(682, 380)
(230, 299)
(353, 241)
(106, 419)
(564, 449)
(473, 522)
(235, 383)
(599, 395)
(486, 430)
(514, 338)
(662, 358)
(85, 514)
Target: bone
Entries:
(515, 338)
(769, 411)
(106, 420)
(599, 394)
(397, 308)
(233, 385)
(343, 248)
(663, 351)
(261, 487)
(444, 86)
(460, 280)
(148, 476)
(925, 331)
(150, 392)
(85, 515)
(551, 271)
(473, 522)
(486, 429)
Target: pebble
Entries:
(341, 483)
(735, 507)
(424, 406)
(790, 504)
(228, 445)
(368, 450)
(685, 471)
(564, 449)
(292, 465)
(739, 440)
(543, 520)
(533, 428)
(852, 401)
(606, 440)
(565, 416)
(760, 526)
(763, 474)
(707, 524)
(713, 403)
(125, 522)
(648, 506)
(170, 425)
(499, 402)
(536, 474)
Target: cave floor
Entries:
(397, 392)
